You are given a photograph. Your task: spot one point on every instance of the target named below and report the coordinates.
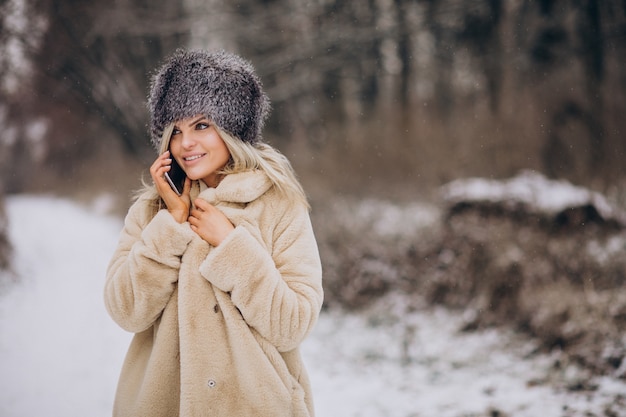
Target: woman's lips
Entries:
(191, 160)
(193, 157)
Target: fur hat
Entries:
(219, 85)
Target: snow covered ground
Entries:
(60, 354)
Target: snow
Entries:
(60, 353)
(533, 191)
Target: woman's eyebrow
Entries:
(196, 121)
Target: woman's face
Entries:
(199, 149)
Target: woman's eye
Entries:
(202, 126)
(175, 132)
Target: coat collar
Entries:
(242, 187)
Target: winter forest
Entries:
(465, 167)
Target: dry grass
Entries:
(560, 283)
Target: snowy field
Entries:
(60, 354)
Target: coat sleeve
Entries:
(279, 294)
(143, 271)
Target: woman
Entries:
(221, 283)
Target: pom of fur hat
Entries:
(220, 85)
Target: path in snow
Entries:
(60, 353)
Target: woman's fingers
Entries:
(209, 222)
(177, 205)
(158, 169)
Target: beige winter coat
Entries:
(217, 330)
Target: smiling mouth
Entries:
(193, 158)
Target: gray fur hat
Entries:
(220, 85)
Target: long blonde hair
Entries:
(243, 157)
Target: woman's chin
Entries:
(193, 177)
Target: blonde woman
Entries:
(219, 280)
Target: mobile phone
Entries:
(176, 177)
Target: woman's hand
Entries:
(178, 206)
(209, 223)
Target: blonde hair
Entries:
(247, 157)
(243, 157)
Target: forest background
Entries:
(376, 99)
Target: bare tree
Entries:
(98, 58)
(450, 80)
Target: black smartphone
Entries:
(176, 177)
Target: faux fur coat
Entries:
(217, 329)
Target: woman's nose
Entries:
(188, 140)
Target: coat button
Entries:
(211, 383)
